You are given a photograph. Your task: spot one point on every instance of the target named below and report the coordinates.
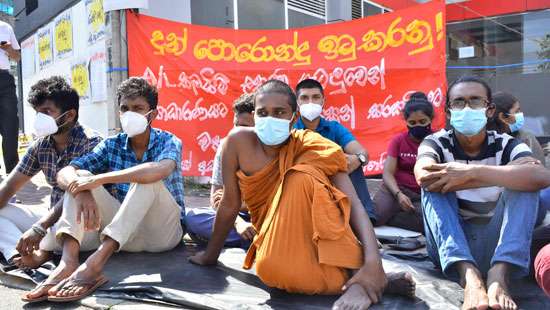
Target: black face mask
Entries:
(420, 132)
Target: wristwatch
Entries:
(362, 158)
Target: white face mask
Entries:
(311, 111)
(45, 125)
(134, 123)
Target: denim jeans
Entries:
(506, 238)
(200, 223)
(544, 204)
(360, 184)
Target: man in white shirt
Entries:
(9, 122)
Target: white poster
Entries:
(80, 80)
(45, 46)
(98, 73)
(96, 20)
(63, 35)
(28, 50)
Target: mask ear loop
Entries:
(62, 114)
(148, 121)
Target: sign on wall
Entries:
(63, 35)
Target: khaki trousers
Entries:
(148, 220)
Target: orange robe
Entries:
(304, 243)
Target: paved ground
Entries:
(11, 288)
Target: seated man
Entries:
(140, 213)
(311, 100)
(200, 221)
(479, 200)
(61, 139)
(303, 206)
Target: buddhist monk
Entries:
(313, 234)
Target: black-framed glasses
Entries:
(474, 103)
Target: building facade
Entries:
(505, 42)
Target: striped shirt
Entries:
(497, 150)
(42, 156)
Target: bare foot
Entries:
(499, 298)
(400, 283)
(33, 261)
(475, 295)
(354, 298)
(60, 273)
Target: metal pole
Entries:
(117, 64)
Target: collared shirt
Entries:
(331, 130)
(115, 154)
(7, 34)
(42, 156)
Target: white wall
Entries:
(179, 11)
(93, 115)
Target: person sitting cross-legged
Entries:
(142, 210)
(25, 235)
(479, 198)
(314, 236)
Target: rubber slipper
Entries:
(93, 285)
(44, 297)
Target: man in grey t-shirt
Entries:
(199, 221)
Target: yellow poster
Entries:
(45, 55)
(80, 79)
(63, 35)
(96, 20)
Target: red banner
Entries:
(368, 67)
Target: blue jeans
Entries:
(360, 184)
(544, 204)
(200, 223)
(506, 238)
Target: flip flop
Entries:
(93, 285)
(44, 297)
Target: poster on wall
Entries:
(63, 35)
(80, 80)
(96, 20)
(98, 75)
(28, 50)
(45, 48)
(368, 67)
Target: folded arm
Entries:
(524, 174)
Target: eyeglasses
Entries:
(474, 103)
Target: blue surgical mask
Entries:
(468, 121)
(520, 120)
(272, 130)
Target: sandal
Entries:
(44, 297)
(92, 286)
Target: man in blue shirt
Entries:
(141, 212)
(310, 101)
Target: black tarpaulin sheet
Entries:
(170, 278)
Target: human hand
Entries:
(216, 199)
(526, 161)
(202, 259)
(81, 184)
(405, 202)
(449, 177)
(87, 211)
(6, 46)
(29, 242)
(245, 229)
(372, 278)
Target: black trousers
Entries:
(9, 121)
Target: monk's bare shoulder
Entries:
(241, 138)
